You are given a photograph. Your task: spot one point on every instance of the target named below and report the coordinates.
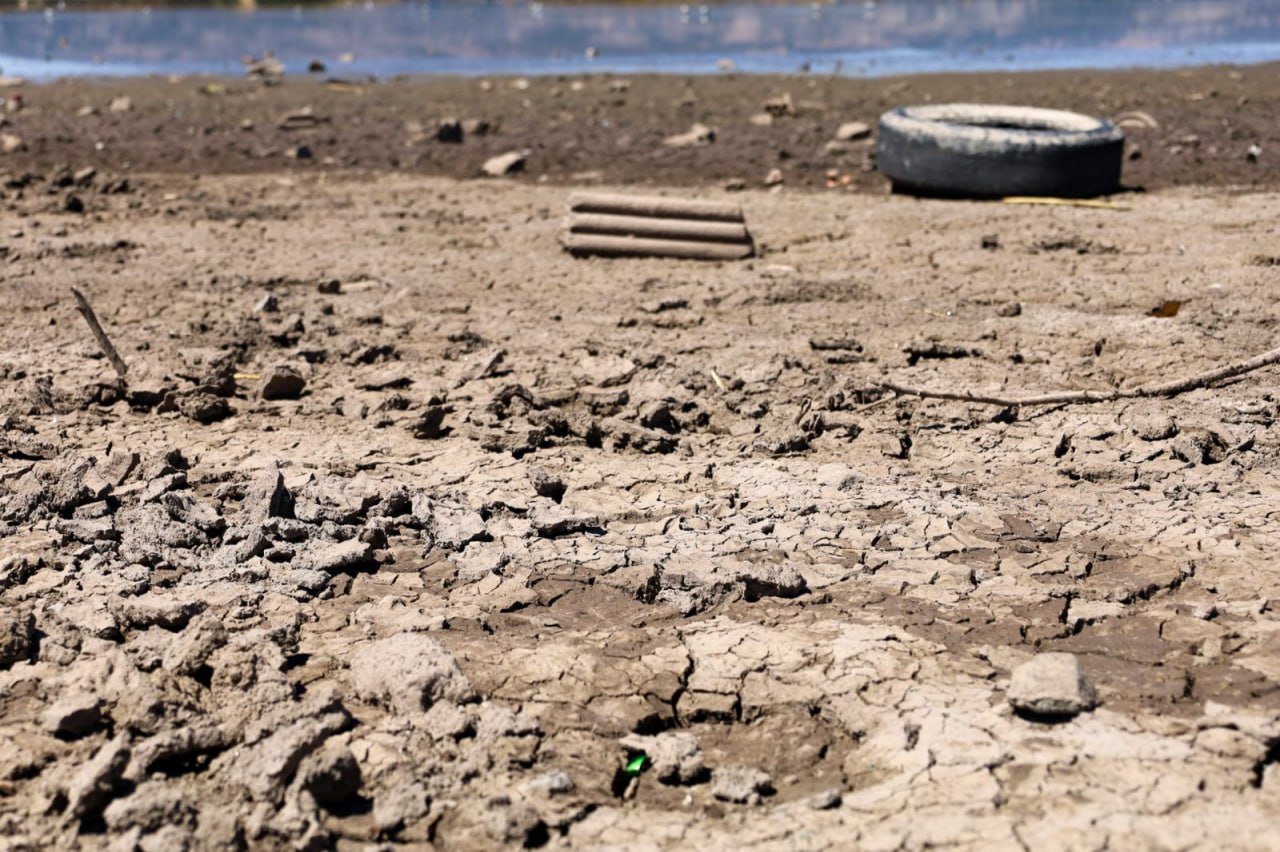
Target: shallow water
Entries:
(856, 38)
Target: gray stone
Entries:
(408, 673)
(1051, 685)
(551, 783)
(741, 785)
(605, 370)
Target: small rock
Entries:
(282, 382)
(299, 152)
(741, 785)
(73, 203)
(73, 716)
(696, 136)
(315, 66)
(268, 304)
(735, 185)
(762, 119)
(10, 142)
(449, 131)
(990, 242)
(1051, 685)
(120, 104)
(1009, 309)
(476, 127)
(774, 178)
(504, 164)
(1254, 153)
(780, 105)
(852, 130)
(408, 672)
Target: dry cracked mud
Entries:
(506, 521)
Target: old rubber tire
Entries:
(993, 151)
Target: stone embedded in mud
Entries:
(282, 382)
(408, 673)
(696, 136)
(1155, 427)
(741, 785)
(674, 756)
(551, 783)
(73, 716)
(1051, 685)
(17, 637)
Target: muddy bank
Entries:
(612, 129)
(410, 528)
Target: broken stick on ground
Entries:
(1189, 383)
(109, 349)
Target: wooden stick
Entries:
(646, 226)
(655, 206)
(615, 246)
(86, 310)
(1189, 383)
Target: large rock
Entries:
(1051, 685)
(407, 673)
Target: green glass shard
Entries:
(637, 764)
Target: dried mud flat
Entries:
(511, 519)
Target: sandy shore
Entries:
(412, 530)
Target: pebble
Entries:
(1051, 685)
(282, 381)
(504, 164)
(853, 130)
(695, 137)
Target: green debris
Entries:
(637, 764)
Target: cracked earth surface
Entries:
(532, 517)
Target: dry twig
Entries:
(86, 310)
(1189, 383)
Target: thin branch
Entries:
(86, 310)
(1189, 383)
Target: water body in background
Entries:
(441, 37)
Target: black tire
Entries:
(975, 150)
